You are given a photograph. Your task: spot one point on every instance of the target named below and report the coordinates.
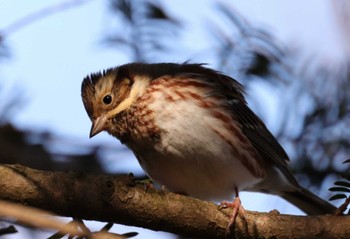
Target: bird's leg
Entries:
(236, 206)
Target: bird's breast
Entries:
(196, 149)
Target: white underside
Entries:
(191, 157)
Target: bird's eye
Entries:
(107, 99)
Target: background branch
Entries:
(119, 199)
(39, 15)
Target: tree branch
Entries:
(119, 199)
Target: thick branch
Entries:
(118, 199)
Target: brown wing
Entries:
(252, 126)
(261, 138)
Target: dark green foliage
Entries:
(144, 28)
(342, 188)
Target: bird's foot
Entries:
(237, 208)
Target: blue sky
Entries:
(50, 57)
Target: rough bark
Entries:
(119, 199)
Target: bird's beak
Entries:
(98, 125)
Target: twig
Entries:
(40, 14)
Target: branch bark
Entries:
(119, 199)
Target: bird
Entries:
(192, 131)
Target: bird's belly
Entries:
(193, 158)
(204, 178)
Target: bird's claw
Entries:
(237, 209)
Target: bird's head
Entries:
(106, 94)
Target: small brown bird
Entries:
(192, 131)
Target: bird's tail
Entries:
(308, 202)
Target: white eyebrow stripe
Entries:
(138, 88)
